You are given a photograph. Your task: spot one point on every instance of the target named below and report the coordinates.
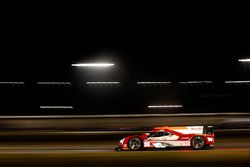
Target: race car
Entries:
(196, 137)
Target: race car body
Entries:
(197, 137)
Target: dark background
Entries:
(152, 46)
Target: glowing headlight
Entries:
(122, 140)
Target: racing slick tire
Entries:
(198, 142)
(135, 144)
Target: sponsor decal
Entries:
(146, 144)
(199, 128)
(159, 145)
(184, 138)
(122, 140)
(210, 139)
(186, 143)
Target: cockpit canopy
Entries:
(157, 133)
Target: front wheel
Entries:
(198, 142)
(135, 144)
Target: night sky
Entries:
(142, 49)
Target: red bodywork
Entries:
(174, 139)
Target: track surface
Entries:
(146, 158)
(97, 149)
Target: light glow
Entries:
(196, 82)
(142, 83)
(17, 83)
(165, 106)
(56, 107)
(96, 83)
(93, 65)
(54, 83)
(236, 82)
(244, 60)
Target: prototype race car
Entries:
(196, 137)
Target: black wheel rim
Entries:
(135, 144)
(198, 142)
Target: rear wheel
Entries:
(135, 144)
(198, 142)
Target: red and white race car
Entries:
(196, 137)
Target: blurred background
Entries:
(202, 74)
(73, 87)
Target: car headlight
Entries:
(122, 140)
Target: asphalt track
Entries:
(90, 141)
(77, 148)
(144, 158)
